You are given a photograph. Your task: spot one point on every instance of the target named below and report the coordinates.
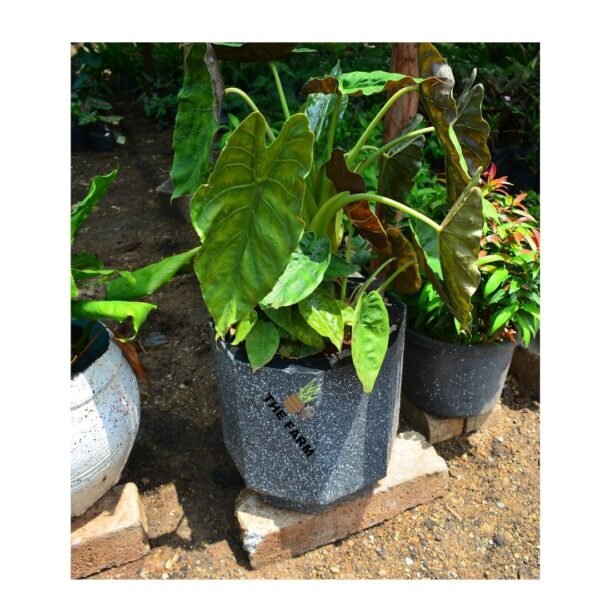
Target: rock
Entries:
(501, 505)
(499, 540)
(155, 339)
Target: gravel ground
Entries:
(485, 527)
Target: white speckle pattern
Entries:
(351, 433)
(452, 380)
(105, 416)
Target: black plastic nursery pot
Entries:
(303, 433)
(93, 349)
(101, 139)
(451, 380)
(79, 138)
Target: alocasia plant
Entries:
(279, 221)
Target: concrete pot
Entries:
(451, 380)
(309, 456)
(105, 417)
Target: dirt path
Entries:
(487, 525)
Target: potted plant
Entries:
(451, 373)
(105, 403)
(309, 361)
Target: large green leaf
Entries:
(359, 83)
(370, 336)
(338, 267)
(148, 279)
(199, 106)
(459, 243)
(303, 273)
(81, 211)
(261, 344)
(113, 310)
(319, 109)
(291, 321)
(324, 315)
(402, 164)
(244, 327)
(248, 216)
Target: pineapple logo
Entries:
(297, 404)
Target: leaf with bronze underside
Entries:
(436, 94)
(248, 216)
(449, 257)
(460, 126)
(459, 243)
(401, 250)
(359, 83)
(471, 128)
(253, 52)
(363, 218)
(402, 164)
(319, 109)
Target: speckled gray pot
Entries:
(310, 456)
(450, 380)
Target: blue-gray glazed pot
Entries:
(452, 380)
(309, 455)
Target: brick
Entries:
(416, 475)
(525, 365)
(435, 429)
(110, 533)
(488, 419)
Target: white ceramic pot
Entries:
(105, 417)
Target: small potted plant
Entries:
(105, 403)
(452, 373)
(308, 360)
(90, 120)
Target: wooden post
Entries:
(404, 60)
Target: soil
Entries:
(486, 526)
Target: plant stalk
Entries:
(332, 126)
(284, 106)
(250, 103)
(380, 151)
(348, 257)
(337, 202)
(361, 290)
(393, 276)
(369, 130)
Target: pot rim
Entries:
(484, 347)
(311, 364)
